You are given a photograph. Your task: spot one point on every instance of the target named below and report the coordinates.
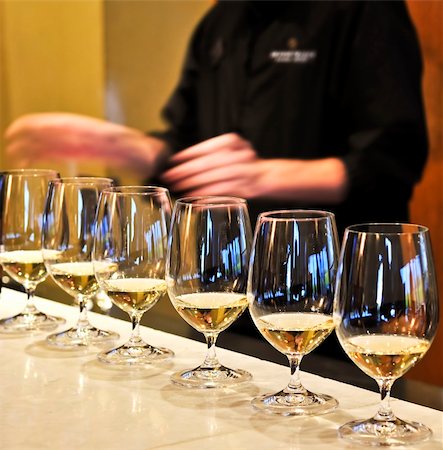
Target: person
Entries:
(287, 104)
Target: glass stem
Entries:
(83, 321)
(295, 386)
(30, 308)
(135, 339)
(385, 412)
(211, 360)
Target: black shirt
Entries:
(311, 80)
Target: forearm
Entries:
(316, 181)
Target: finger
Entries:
(208, 177)
(41, 148)
(231, 187)
(25, 125)
(16, 127)
(22, 163)
(228, 140)
(207, 163)
(48, 123)
(18, 149)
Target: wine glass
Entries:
(24, 196)
(129, 261)
(290, 293)
(386, 315)
(68, 237)
(206, 273)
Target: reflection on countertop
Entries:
(163, 317)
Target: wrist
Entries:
(316, 181)
(142, 154)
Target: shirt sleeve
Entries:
(382, 105)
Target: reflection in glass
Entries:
(386, 314)
(24, 196)
(129, 262)
(290, 293)
(67, 247)
(206, 273)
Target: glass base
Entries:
(205, 377)
(295, 404)
(139, 355)
(81, 337)
(24, 323)
(383, 433)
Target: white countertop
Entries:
(52, 399)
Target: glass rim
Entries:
(30, 172)
(81, 180)
(409, 228)
(295, 215)
(136, 190)
(211, 200)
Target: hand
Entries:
(229, 165)
(63, 136)
(224, 165)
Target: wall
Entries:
(145, 46)
(91, 57)
(52, 60)
(3, 88)
(117, 59)
(427, 204)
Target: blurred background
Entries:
(120, 60)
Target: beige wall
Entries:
(52, 59)
(427, 204)
(3, 90)
(114, 59)
(145, 46)
(53, 56)
(66, 55)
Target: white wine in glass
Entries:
(129, 261)
(134, 295)
(206, 272)
(290, 292)
(386, 315)
(24, 196)
(68, 238)
(210, 311)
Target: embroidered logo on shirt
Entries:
(293, 56)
